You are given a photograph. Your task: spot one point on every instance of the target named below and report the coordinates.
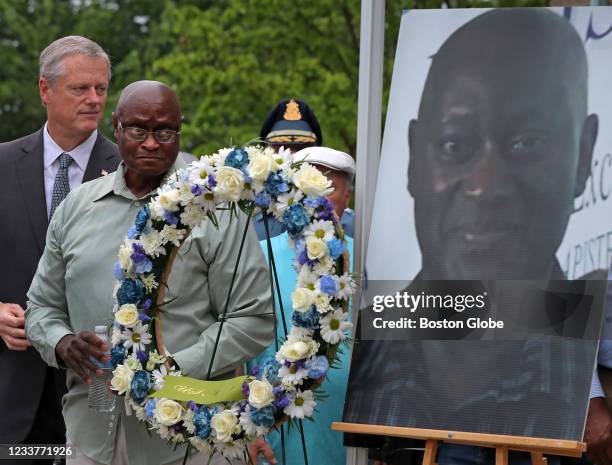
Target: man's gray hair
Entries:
(50, 62)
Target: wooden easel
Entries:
(501, 443)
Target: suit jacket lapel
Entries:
(103, 158)
(30, 171)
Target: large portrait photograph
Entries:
(493, 188)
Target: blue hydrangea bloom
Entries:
(133, 233)
(130, 292)
(317, 367)
(150, 408)
(308, 319)
(263, 416)
(142, 218)
(336, 248)
(314, 202)
(269, 369)
(118, 271)
(140, 262)
(262, 200)
(237, 158)
(276, 184)
(201, 421)
(329, 285)
(295, 219)
(117, 355)
(140, 386)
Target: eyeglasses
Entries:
(163, 136)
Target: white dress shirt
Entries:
(76, 170)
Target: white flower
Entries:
(184, 193)
(200, 170)
(115, 336)
(260, 393)
(193, 215)
(325, 266)
(170, 234)
(284, 201)
(307, 278)
(224, 424)
(323, 229)
(299, 334)
(294, 351)
(157, 211)
(311, 181)
(283, 157)
(231, 449)
(122, 379)
(168, 412)
(218, 159)
(346, 286)
(302, 298)
(292, 375)
(334, 325)
(133, 363)
(230, 182)
(125, 255)
(169, 198)
(141, 414)
(322, 303)
(163, 432)
(158, 376)
(137, 337)
(301, 405)
(152, 243)
(127, 315)
(260, 166)
(201, 445)
(315, 247)
(149, 282)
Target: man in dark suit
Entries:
(36, 172)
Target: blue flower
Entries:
(140, 386)
(117, 355)
(130, 292)
(237, 158)
(308, 319)
(140, 261)
(317, 367)
(133, 233)
(212, 181)
(295, 219)
(314, 202)
(269, 369)
(147, 305)
(263, 416)
(329, 285)
(142, 218)
(118, 272)
(282, 402)
(336, 248)
(276, 184)
(150, 408)
(201, 421)
(327, 212)
(262, 199)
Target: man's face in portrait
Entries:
(501, 147)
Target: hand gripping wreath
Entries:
(280, 387)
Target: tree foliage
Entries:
(230, 61)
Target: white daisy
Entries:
(136, 337)
(200, 170)
(346, 286)
(325, 266)
(193, 215)
(322, 229)
(307, 278)
(284, 201)
(292, 375)
(232, 450)
(322, 303)
(334, 325)
(301, 405)
(158, 377)
(170, 234)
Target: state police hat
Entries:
(291, 122)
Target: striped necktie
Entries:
(61, 187)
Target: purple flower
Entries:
(282, 402)
(192, 405)
(140, 261)
(246, 390)
(142, 356)
(147, 304)
(197, 190)
(170, 217)
(212, 181)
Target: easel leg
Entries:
(501, 455)
(537, 458)
(431, 447)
